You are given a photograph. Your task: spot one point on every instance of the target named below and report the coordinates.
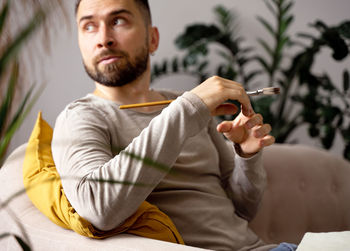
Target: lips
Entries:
(108, 59)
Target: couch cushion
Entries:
(44, 188)
(308, 191)
(20, 217)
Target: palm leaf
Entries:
(346, 80)
(12, 49)
(267, 25)
(21, 107)
(3, 16)
(286, 22)
(264, 64)
(270, 7)
(286, 8)
(267, 48)
(6, 104)
(16, 123)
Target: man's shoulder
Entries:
(87, 107)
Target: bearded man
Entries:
(221, 182)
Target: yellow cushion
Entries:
(44, 188)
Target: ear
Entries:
(153, 39)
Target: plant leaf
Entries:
(346, 81)
(329, 113)
(197, 33)
(346, 134)
(285, 41)
(328, 136)
(13, 48)
(321, 26)
(21, 107)
(165, 66)
(306, 35)
(336, 43)
(266, 47)
(4, 142)
(271, 8)
(7, 102)
(202, 66)
(344, 29)
(286, 8)
(3, 15)
(285, 24)
(251, 75)
(346, 153)
(267, 25)
(224, 17)
(264, 64)
(314, 131)
(175, 65)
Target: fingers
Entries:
(254, 120)
(224, 127)
(262, 132)
(239, 129)
(255, 123)
(215, 91)
(267, 141)
(235, 91)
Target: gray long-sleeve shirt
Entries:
(95, 140)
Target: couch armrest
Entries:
(308, 191)
(22, 218)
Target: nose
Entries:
(106, 38)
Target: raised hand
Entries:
(215, 91)
(247, 129)
(249, 132)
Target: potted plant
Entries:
(307, 97)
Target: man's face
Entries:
(113, 40)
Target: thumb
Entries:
(224, 127)
(225, 109)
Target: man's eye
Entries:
(89, 28)
(118, 21)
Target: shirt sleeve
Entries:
(244, 179)
(94, 180)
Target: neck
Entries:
(137, 91)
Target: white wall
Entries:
(66, 80)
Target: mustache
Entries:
(110, 53)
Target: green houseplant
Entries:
(17, 27)
(16, 30)
(307, 97)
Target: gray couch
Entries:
(308, 191)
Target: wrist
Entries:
(241, 153)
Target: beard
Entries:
(125, 70)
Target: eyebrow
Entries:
(112, 13)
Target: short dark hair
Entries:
(145, 9)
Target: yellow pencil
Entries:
(164, 102)
(264, 91)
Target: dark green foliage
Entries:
(307, 97)
(196, 41)
(10, 122)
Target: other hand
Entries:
(249, 132)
